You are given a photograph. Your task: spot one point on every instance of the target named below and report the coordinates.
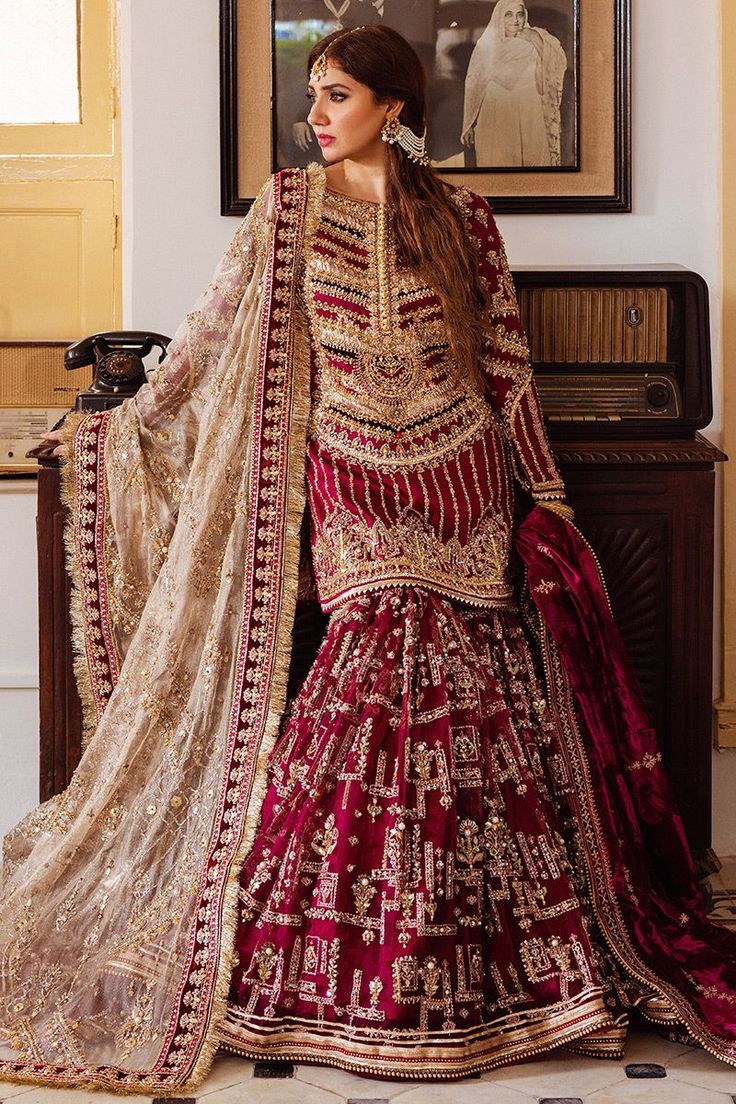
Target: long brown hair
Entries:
(428, 226)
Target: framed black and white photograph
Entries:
(528, 100)
(501, 78)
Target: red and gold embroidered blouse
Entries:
(408, 465)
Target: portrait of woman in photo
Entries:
(513, 92)
(450, 843)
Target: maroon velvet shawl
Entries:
(643, 883)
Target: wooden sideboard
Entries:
(647, 509)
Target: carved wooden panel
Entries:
(631, 557)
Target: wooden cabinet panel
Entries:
(651, 525)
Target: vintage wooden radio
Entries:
(35, 392)
(619, 352)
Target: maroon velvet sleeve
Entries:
(506, 362)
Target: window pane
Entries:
(39, 69)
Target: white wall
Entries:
(18, 652)
(173, 234)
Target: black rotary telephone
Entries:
(118, 365)
(119, 370)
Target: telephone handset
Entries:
(118, 364)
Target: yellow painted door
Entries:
(59, 206)
(59, 170)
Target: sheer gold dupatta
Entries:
(119, 900)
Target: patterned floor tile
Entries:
(644, 1071)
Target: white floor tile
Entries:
(38, 1095)
(9, 1088)
(276, 1090)
(700, 1068)
(462, 1092)
(227, 1070)
(656, 1091)
(349, 1085)
(559, 1075)
(646, 1046)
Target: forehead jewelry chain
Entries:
(320, 66)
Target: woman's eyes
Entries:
(336, 97)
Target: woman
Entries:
(513, 90)
(455, 848)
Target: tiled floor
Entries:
(690, 1076)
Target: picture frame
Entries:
(595, 178)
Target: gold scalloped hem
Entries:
(658, 1010)
(432, 1060)
(607, 1043)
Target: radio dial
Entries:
(658, 395)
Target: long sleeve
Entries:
(506, 362)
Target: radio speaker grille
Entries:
(583, 325)
(33, 374)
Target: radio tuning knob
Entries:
(658, 395)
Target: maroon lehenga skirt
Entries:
(415, 904)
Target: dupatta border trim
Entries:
(83, 493)
(279, 492)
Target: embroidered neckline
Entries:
(354, 199)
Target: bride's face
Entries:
(514, 20)
(344, 116)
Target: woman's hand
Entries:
(52, 439)
(468, 138)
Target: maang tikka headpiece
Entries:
(320, 66)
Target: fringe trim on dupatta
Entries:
(69, 470)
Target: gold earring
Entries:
(391, 129)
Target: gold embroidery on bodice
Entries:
(406, 462)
